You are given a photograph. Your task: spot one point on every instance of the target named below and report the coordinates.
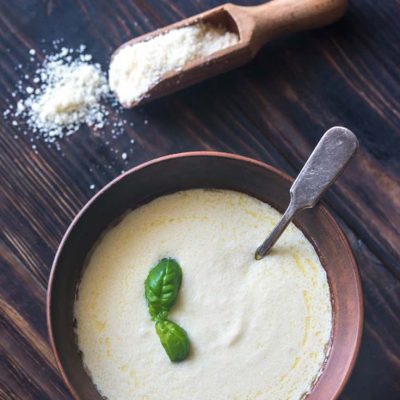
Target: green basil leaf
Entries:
(162, 287)
(174, 340)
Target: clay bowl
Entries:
(204, 170)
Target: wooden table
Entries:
(274, 109)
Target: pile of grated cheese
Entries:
(66, 92)
(137, 68)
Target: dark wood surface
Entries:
(274, 109)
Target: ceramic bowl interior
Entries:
(204, 170)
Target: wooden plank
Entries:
(275, 109)
(27, 365)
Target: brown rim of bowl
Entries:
(261, 164)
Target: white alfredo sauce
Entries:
(258, 329)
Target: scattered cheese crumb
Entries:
(55, 96)
(65, 92)
(124, 156)
(68, 95)
(137, 68)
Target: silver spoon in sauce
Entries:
(329, 158)
(254, 25)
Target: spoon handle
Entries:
(326, 162)
(279, 17)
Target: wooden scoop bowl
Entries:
(255, 26)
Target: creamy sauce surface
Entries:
(258, 329)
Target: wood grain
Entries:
(274, 109)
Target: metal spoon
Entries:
(325, 164)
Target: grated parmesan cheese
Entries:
(66, 91)
(137, 68)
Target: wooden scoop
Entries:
(254, 25)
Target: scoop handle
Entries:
(278, 17)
